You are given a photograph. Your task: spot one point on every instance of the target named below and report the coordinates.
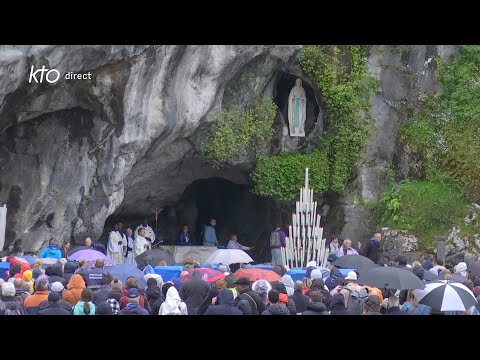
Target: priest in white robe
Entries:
(141, 244)
(115, 246)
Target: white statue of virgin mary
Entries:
(297, 109)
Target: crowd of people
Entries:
(68, 288)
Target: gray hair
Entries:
(347, 241)
(8, 289)
(18, 283)
(222, 268)
(41, 284)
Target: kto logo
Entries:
(51, 75)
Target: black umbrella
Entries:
(390, 278)
(156, 255)
(446, 296)
(474, 268)
(358, 262)
(458, 278)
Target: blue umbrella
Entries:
(123, 271)
(30, 259)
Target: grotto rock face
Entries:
(77, 152)
(73, 152)
(404, 76)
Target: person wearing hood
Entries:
(262, 287)
(230, 280)
(282, 289)
(372, 305)
(51, 251)
(53, 306)
(315, 305)
(338, 305)
(133, 306)
(225, 305)
(461, 269)
(68, 270)
(301, 301)
(55, 275)
(212, 298)
(27, 279)
(152, 294)
(101, 294)
(103, 309)
(420, 273)
(275, 307)
(336, 278)
(372, 248)
(319, 285)
(74, 289)
(173, 305)
(194, 291)
(288, 282)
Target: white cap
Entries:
(312, 263)
(57, 286)
(352, 275)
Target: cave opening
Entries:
(236, 209)
(284, 84)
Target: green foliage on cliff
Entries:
(340, 73)
(446, 132)
(426, 209)
(236, 133)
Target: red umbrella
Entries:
(254, 274)
(208, 274)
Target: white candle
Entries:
(306, 178)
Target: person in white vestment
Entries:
(115, 246)
(141, 244)
(149, 234)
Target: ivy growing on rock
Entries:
(340, 73)
(238, 134)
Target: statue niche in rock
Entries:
(297, 109)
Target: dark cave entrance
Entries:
(284, 84)
(235, 207)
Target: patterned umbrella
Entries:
(88, 255)
(254, 274)
(208, 274)
(446, 296)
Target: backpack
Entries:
(356, 301)
(11, 308)
(275, 239)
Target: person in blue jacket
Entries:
(209, 234)
(51, 251)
